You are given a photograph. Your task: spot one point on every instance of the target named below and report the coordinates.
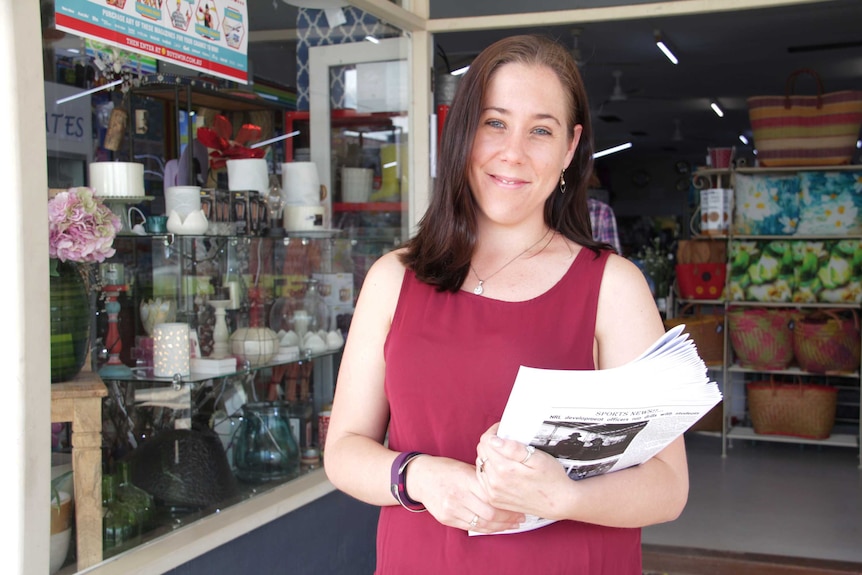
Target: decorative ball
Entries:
(256, 345)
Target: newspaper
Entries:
(600, 421)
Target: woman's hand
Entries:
(451, 492)
(519, 477)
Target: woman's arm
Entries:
(355, 460)
(654, 492)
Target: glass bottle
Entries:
(311, 319)
(136, 499)
(118, 520)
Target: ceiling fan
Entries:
(617, 93)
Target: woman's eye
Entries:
(542, 131)
(494, 123)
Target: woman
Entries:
(503, 272)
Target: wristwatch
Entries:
(398, 484)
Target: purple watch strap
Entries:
(398, 482)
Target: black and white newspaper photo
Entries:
(601, 421)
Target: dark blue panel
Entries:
(335, 534)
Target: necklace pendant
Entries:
(479, 290)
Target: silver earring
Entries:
(562, 183)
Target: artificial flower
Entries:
(80, 227)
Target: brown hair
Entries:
(440, 252)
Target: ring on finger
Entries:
(482, 462)
(474, 521)
(530, 451)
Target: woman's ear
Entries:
(576, 138)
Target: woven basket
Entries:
(792, 409)
(761, 338)
(827, 342)
(707, 332)
(817, 130)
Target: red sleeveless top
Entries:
(451, 360)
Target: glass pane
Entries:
(369, 138)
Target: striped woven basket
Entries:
(819, 130)
(827, 341)
(761, 338)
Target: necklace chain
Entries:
(479, 289)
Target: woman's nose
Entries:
(512, 147)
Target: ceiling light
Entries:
(716, 108)
(665, 47)
(614, 150)
(460, 71)
(372, 39)
(743, 139)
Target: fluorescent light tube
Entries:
(665, 48)
(717, 109)
(276, 139)
(88, 92)
(614, 150)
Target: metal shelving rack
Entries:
(731, 431)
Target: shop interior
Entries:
(741, 486)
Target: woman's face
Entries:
(521, 144)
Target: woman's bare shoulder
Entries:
(384, 278)
(628, 320)
(388, 267)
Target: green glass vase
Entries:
(70, 321)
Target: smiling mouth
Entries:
(509, 182)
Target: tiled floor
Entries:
(769, 498)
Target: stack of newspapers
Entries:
(600, 421)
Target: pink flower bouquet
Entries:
(80, 227)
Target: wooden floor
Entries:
(667, 560)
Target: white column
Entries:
(25, 349)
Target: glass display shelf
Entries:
(143, 374)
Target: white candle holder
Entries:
(171, 349)
(221, 336)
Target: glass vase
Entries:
(265, 448)
(70, 321)
(119, 524)
(136, 499)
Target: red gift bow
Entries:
(218, 139)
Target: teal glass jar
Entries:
(265, 448)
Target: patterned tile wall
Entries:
(313, 30)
